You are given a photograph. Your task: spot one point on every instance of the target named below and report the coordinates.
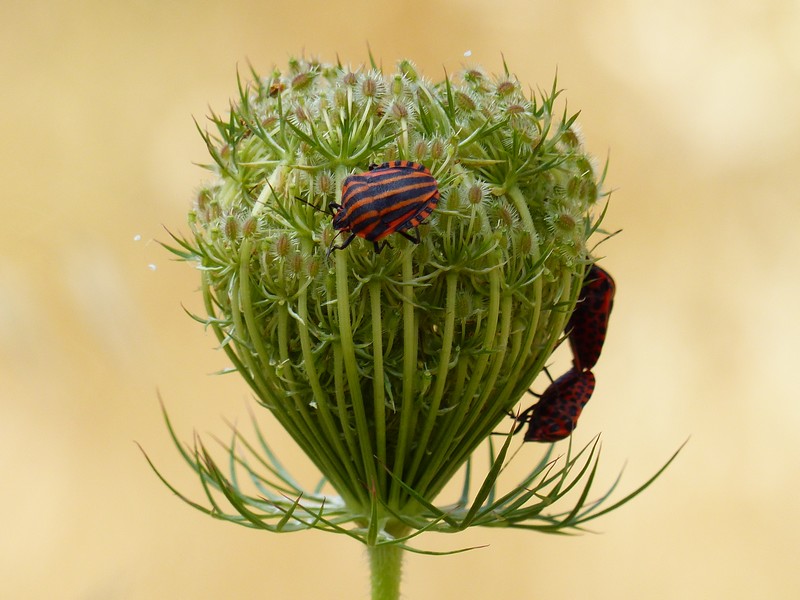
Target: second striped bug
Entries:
(588, 325)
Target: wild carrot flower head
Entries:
(388, 368)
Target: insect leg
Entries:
(340, 247)
(411, 238)
(381, 246)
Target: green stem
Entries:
(379, 401)
(442, 371)
(408, 412)
(331, 434)
(385, 562)
(362, 428)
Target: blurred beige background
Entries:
(697, 103)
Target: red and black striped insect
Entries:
(588, 325)
(556, 414)
(391, 198)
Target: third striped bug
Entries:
(556, 414)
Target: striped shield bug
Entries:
(556, 414)
(391, 198)
(587, 327)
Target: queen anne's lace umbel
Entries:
(389, 369)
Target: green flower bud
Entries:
(399, 110)
(324, 183)
(231, 228)
(349, 79)
(282, 245)
(380, 315)
(506, 87)
(302, 81)
(249, 227)
(409, 71)
(438, 149)
(465, 102)
(477, 193)
(389, 369)
(419, 151)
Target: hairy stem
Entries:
(385, 563)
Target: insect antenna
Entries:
(317, 208)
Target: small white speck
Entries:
(468, 53)
(152, 267)
(137, 238)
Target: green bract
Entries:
(389, 369)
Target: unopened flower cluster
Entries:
(389, 369)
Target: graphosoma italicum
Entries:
(556, 414)
(588, 325)
(391, 198)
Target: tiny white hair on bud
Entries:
(137, 238)
(152, 267)
(468, 53)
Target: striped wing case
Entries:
(390, 198)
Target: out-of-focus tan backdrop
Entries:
(696, 102)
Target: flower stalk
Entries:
(390, 369)
(385, 563)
